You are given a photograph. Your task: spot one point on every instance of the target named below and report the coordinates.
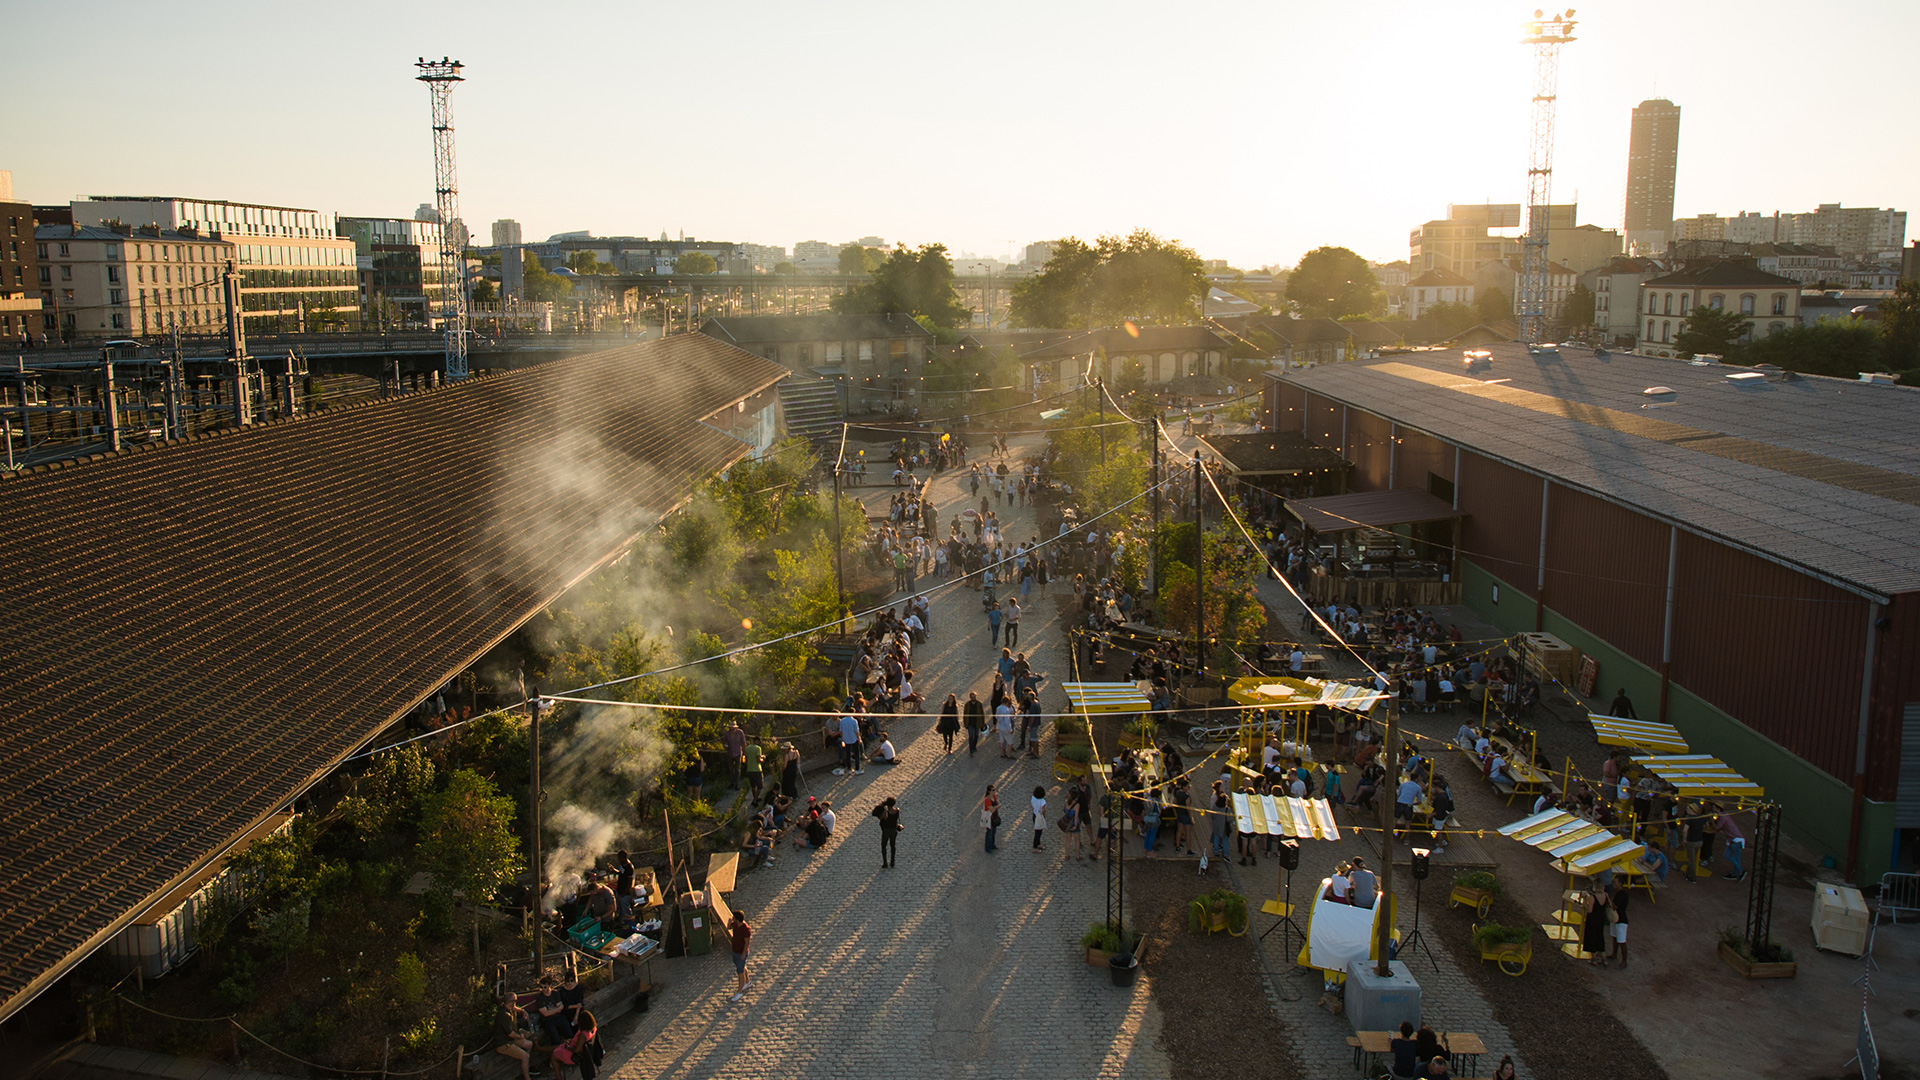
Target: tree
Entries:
(1331, 282)
(1493, 304)
(1580, 308)
(695, 262)
(1140, 278)
(785, 268)
(484, 292)
(1842, 348)
(1709, 330)
(541, 287)
(1451, 318)
(916, 282)
(855, 259)
(1900, 327)
(466, 836)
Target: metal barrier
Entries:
(1899, 895)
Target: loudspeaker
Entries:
(1421, 867)
(1290, 854)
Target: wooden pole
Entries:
(1383, 921)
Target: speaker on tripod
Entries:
(1290, 855)
(1422, 863)
(1289, 862)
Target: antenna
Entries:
(440, 76)
(1546, 35)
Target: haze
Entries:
(1252, 132)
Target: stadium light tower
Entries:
(1546, 35)
(440, 76)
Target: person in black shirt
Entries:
(1406, 1062)
(1622, 707)
(889, 814)
(1442, 799)
(515, 1032)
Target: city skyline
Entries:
(1255, 162)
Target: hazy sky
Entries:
(1251, 131)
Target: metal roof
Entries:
(1821, 474)
(200, 630)
(1370, 510)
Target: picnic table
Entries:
(1463, 1049)
(721, 871)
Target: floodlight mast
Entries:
(1546, 35)
(440, 76)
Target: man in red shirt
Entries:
(741, 934)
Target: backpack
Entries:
(1151, 815)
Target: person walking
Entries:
(740, 935)
(1039, 804)
(1619, 897)
(993, 619)
(976, 712)
(1013, 622)
(949, 722)
(1594, 934)
(990, 816)
(736, 744)
(1734, 845)
(889, 814)
(1003, 723)
(1070, 824)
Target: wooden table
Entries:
(1369, 1046)
(722, 868)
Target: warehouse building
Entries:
(1739, 546)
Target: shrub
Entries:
(409, 979)
(1079, 752)
(1770, 951)
(419, 1038)
(1487, 935)
(1069, 725)
(1100, 936)
(436, 915)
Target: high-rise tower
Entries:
(1653, 156)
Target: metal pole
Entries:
(1153, 541)
(112, 403)
(839, 553)
(1383, 929)
(535, 862)
(1199, 577)
(1100, 395)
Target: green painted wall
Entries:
(1818, 806)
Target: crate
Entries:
(1840, 919)
(1550, 656)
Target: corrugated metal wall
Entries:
(1896, 681)
(1419, 455)
(1776, 649)
(1501, 531)
(1607, 571)
(1323, 420)
(1288, 405)
(1368, 447)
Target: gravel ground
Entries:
(1217, 1024)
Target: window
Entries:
(1746, 304)
(139, 274)
(1779, 303)
(1649, 329)
(119, 321)
(116, 296)
(1717, 302)
(64, 251)
(66, 272)
(46, 275)
(113, 273)
(40, 250)
(1669, 305)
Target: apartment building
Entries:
(119, 280)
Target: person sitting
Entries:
(1406, 1062)
(515, 1032)
(1339, 886)
(1466, 737)
(760, 841)
(1497, 770)
(1366, 887)
(1436, 1069)
(813, 833)
(1427, 1044)
(883, 754)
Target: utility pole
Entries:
(534, 798)
(440, 76)
(1100, 395)
(839, 553)
(1199, 577)
(1153, 540)
(110, 393)
(237, 347)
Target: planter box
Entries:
(1137, 742)
(1748, 969)
(1069, 767)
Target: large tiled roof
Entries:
(1822, 474)
(199, 630)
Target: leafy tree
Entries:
(916, 282)
(1493, 304)
(1331, 282)
(1233, 611)
(1841, 348)
(540, 286)
(1451, 318)
(855, 259)
(484, 292)
(1710, 330)
(785, 268)
(695, 262)
(1900, 327)
(1140, 277)
(586, 262)
(1580, 308)
(467, 838)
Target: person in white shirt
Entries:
(1339, 886)
(1003, 722)
(1039, 804)
(1296, 660)
(1430, 654)
(1465, 736)
(884, 752)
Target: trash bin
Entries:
(1122, 966)
(696, 915)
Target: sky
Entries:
(1253, 132)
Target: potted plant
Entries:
(1070, 731)
(1101, 942)
(1072, 760)
(1509, 946)
(1475, 888)
(1221, 909)
(1139, 734)
(1770, 960)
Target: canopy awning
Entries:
(1286, 692)
(1699, 775)
(1580, 845)
(1302, 819)
(1370, 510)
(1640, 734)
(1106, 697)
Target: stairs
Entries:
(811, 407)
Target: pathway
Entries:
(957, 963)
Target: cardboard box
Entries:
(1840, 919)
